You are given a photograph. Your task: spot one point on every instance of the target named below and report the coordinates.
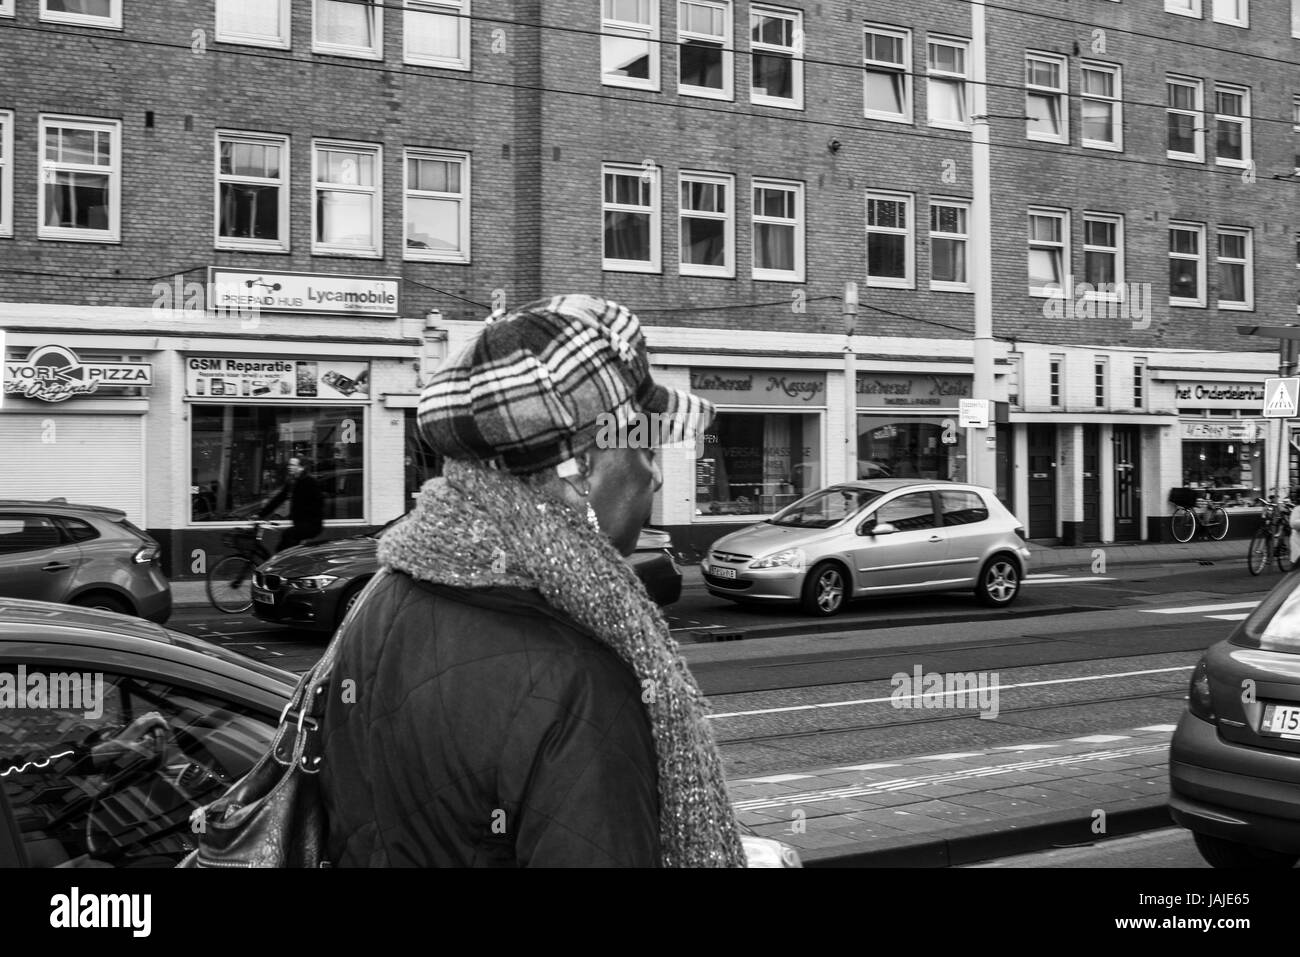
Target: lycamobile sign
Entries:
(244, 290)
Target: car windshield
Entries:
(1275, 624)
(826, 508)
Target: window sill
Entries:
(254, 42)
(776, 104)
(1184, 157)
(766, 275)
(80, 236)
(1043, 138)
(1236, 306)
(72, 19)
(883, 283)
(705, 93)
(347, 253)
(628, 84)
(236, 246)
(350, 53)
(949, 125)
(1186, 304)
(414, 257)
(1234, 164)
(436, 64)
(950, 287)
(889, 117)
(618, 265)
(1102, 145)
(706, 272)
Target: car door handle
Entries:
(55, 567)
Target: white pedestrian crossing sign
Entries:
(1280, 397)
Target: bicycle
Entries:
(1186, 519)
(1272, 539)
(230, 579)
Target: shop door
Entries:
(1128, 469)
(1042, 481)
(1091, 527)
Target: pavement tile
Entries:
(834, 806)
(1105, 777)
(812, 838)
(882, 799)
(944, 790)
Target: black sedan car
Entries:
(313, 586)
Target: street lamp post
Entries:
(850, 383)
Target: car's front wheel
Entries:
(999, 582)
(347, 601)
(103, 602)
(1229, 854)
(825, 590)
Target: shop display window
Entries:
(1233, 469)
(920, 447)
(756, 463)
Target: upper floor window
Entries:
(1046, 89)
(949, 235)
(1055, 374)
(1102, 106)
(704, 50)
(259, 23)
(776, 43)
(1295, 129)
(436, 33)
(81, 179)
(86, 13)
(1139, 382)
(1099, 368)
(252, 192)
(1236, 282)
(348, 28)
(437, 206)
(6, 173)
(1186, 264)
(887, 74)
(1185, 8)
(778, 230)
(631, 219)
(347, 208)
(629, 43)
(890, 240)
(1185, 133)
(1232, 126)
(946, 82)
(1233, 12)
(1103, 252)
(1049, 251)
(708, 225)
(6, 8)
(1295, 18)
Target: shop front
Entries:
(908, 425)
(1224, 441)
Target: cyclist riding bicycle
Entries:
(306, 504)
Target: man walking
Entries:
(306, 504)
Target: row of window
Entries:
(80, 184)
(434, 32)
(1100, 376)
(1235, 13)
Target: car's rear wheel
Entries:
(825, 590)
(1229, 854)
(999, 582)
(101, 601)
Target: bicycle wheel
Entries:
(1218, 524)
(1282, 551)
(1182, 524)
(230, 584)
(1261, 546)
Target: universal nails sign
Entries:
(916, 390)
(53, 373)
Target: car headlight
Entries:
(313, 582)
(790, 557)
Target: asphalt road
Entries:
(1077, 654)
(1171, 847)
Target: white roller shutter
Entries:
(91, 460)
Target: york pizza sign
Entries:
(53, 374)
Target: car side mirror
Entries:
(884, 528)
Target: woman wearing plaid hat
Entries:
(508, 694)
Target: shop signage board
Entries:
(241, 291)
(974, 414)
(912, 390)
(1280, 397)
(269, 378)
(1221, 431)
(54, 374)
(1218, 395)
(759, 387)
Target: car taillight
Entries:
(1199, 701)
(146, 554)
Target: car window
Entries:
(1274, 625)
(77, 530)
(909, 512)
(823, 509)
(27, 533)
(108, 768)
(962, 508)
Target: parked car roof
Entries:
(890, 484)
(60, 504)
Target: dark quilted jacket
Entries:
(488, 730)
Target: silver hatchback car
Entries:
(874, 537)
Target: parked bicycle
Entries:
(1273, 539)
(230, 579)
(1192, 512)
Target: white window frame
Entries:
(1243, 120)
(933, 76)
(728, 218)
(458, 8)
(376, 207)
(234, 242)
(1200, 260)
(648, 32)
(463, 197)
(6, 174)
(728, 47)
(908, 280)
(1295, 18)
(655, 211)
(1184, 8)
(1139, 382)
(799, 224)
(794, 52)
(905, 69)
(281, 41)
(114, 172)
(6, 8)
(375, 52)
(1197, 114)
(1117, 251)
(1055, 380)
(1247, 264)
(111, 22)
(1063, 215)
(1115, 100)
(1221, 12)
(1100, 373)
(1061, 93)
(943, 285)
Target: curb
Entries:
(973, 843)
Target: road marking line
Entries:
(971, 691)
(1023, 747)
(867, 767)
(778, 779)
(1168, 728)
(1035, 580)
(1196, 609)
(1237, 617)
(951, 757)
(1101, 738)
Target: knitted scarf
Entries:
(476, 528)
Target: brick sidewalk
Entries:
(944, 809)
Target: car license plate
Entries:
(262, 595)
(1282, 720)
(717, 571)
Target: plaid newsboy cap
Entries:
(546, 381)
